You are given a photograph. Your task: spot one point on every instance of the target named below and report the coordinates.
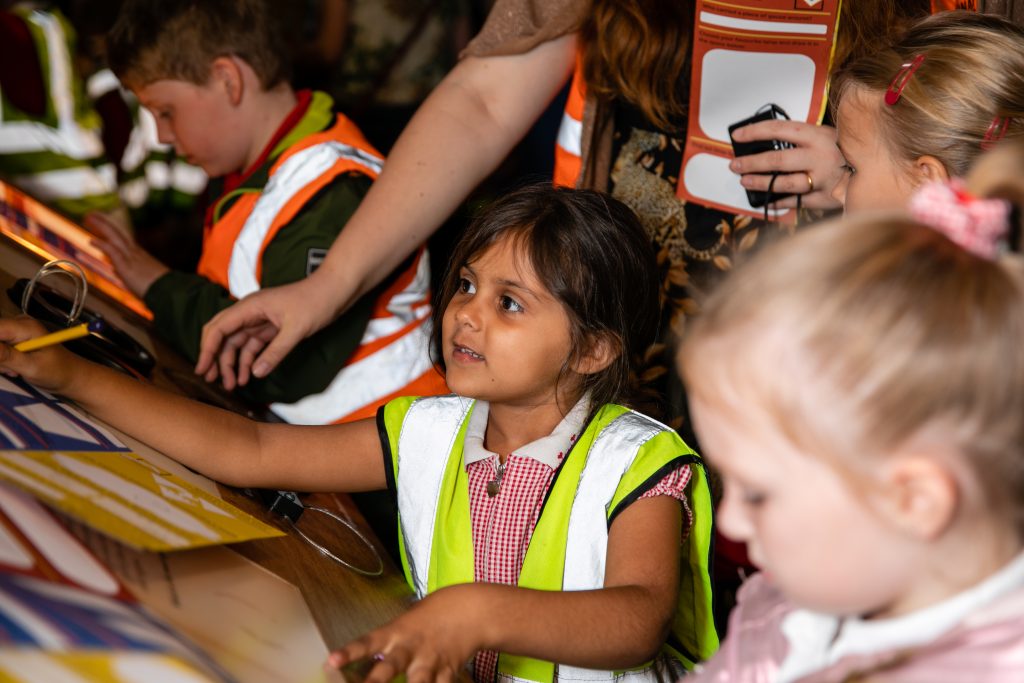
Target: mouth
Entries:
(465, 354)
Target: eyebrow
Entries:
(514, 284)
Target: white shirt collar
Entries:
(545, 449)
(817, 641)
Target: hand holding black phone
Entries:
(768, 112)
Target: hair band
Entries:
(996, 131)
(980, 226)
(900, 80)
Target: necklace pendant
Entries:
(493, 487)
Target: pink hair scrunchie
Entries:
(978, 225)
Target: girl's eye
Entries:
(511, 305)
(848, 169)
(465, 286)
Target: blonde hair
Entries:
(972, 74)
(855, 337)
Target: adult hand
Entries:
(250, 338)
(133, 264)
(811, 169)
(431, 642)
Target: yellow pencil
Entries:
(58, 337)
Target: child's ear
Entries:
(601, 351)
(920, 494)
(927, 168)
(226, 75)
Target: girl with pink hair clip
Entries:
(880, 486)
(927, 106)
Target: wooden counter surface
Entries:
(343, 603)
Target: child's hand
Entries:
(51, 368)
(432, 641)
(133, 264)
(812, 168)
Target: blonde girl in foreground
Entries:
(867, 417)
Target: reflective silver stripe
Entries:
(570, 135)
(20, 137)
(296, 172)
(100, 83)
(187, 178)
(424, 446)
(569, 673)
(69, 183)
(134, 192)
(79, 143)
(611, 455)
(142, 141)
(586, 551)
(405, 306)
(369, 379)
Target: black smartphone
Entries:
(758, 198)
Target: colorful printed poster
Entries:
(128, 498)
(46, 233)
(255, 624)
(747, 54)
(80, 468)
(65, 617)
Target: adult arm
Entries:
(459, 135)
(618, 626)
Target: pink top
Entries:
(503, 523)
(986, 645)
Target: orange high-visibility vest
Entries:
(569, 146)
(392, 358)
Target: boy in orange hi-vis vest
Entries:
(289, 172)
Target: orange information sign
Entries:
(747, 54)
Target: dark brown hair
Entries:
(591, 253)
(179, 39)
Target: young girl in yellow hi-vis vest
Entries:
(540, 522)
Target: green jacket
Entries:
(183, 302)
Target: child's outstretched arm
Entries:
(220, 444)
(618, 626)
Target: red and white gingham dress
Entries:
(504, 523)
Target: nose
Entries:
(467, 311)
(731, 516)
(839, 191)
(164, 135)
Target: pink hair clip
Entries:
(996, 130)
(900, 80)
(978, 225)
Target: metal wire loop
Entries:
(68, 269)
(325, 551)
